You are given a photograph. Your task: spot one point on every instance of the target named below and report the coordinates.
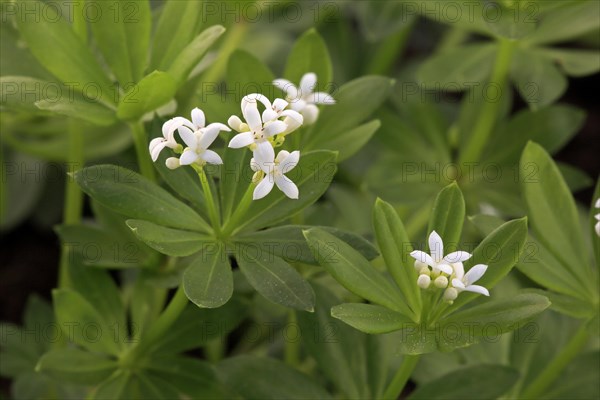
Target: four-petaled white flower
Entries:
(437, 261)
(303, 99)
(464, 282)
(168, 140)
(597, 216)
(255, 132)
(198, 138)
(274, 174)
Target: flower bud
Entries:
(420, 265)
(450, 294)
(425, 271)
(423, 281)
(172, 163)
(441, 282)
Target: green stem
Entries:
(215, 350)
(489, 110)
(141, 149)
(164, 322)
(451, 39)
(210, 201)
(292, 348)
(388, 51)
(240, 211)
(73, 196)
(401, 377)
(553, 370)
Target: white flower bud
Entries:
(420, 265)
(450, 294)
(441, 282)
(425, 271)
(172, 163)
(423, 281)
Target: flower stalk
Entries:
(401, 377)
(141, 150)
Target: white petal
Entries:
(264, 155)
(282, 155)
(307, 84)
(188, 157)
(436, 246)
(252, 116)
(165, 128)
(289, 162)
(459, 270)
(475, 273)
(310, 114)
(423, 257)
(321, 98)
(198, 118)
(274, 128)
(222, 127)
(241, 140)
(263, 188)
(156, 146)
(477, 289)
(269, 115)
(597, 227)
(457, 283)
(445, 268)
(253, 98)
(288, 87)
(208, 136)
(457, 256)
(598, 203)
(254, 165)
(291, 123)
(235, 122)
(188, 136)
(286, 185)
(279, 104)
(297, 104)
(291, 114)
(211, 157)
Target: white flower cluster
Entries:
(447, 272)
(260, 132)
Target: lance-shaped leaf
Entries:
(153, 91)
(169, 241)
(353, 271)
(275, 279)
(395, 247)
(208, 281)
(349, 142)
(370, 318)
(130, 194)
(448, 215)
(309, 54)
(77, 366)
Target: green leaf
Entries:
(191, 55)
(76, 366)
(552, 127)
(350, 109)
(351, 141)
(130, 194)
(275, 279)
(459, 68)
(78, 107)
(309, 54)
(545, 192)
(370, 318)
(476, 382)
(578, 380)
(538, 81)
(353, 271)
(565, 23)
(312, 175)
(82, 323)
(61, 51)
(395, 247)
(576, 63)
(153, 91)
(122, 32)
(448, 215)
(500, 251)
(172, 242)
(252, 378)
(289, 243)
(495, 316)
(208, 281)
(247, 74)
(176, 27)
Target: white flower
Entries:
(255, 132)
(597, 216)
(303, 99)
(293, 119)
(168, 140)
(198, 143)
(436, 260)
(464, 282)
(274, 174)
